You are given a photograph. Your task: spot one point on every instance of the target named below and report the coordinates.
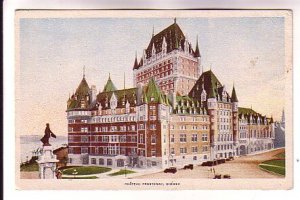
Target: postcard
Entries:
(153, 99)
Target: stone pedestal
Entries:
(47, 163)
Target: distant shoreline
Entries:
(30, 143)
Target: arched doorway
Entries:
(243, 150)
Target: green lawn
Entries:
(85, 177)
(280, 163)
(281, 155)
(276, 166)
(122, 172)
(277, 170)
(30, 167)
(85, 170)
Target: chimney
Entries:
(93, 93)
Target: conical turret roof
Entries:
(197, 51)
(233, 95)
(109, 87)
(135, 65)
(83, 88)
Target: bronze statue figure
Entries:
(48, 134)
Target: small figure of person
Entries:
(48, 134)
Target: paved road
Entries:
(241, 167)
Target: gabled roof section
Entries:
(153, 93)
(245, 111)
(109, 86)
(186, 105)
(122, 96)
(174, 38)
(210, 82)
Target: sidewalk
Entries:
(105, 175)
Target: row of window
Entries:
(72, 121)
(194, 119)
(194, 149)
(115, 128)
(194, 137)
(224, 127)
(224, 112)
(114, 119)
(82, 113)
(110, 138)
(224, 147)
(227, 106)
(228, 120)
(222, 138)
(157, 76)
(111, 150)
(184, 127)
(157, 67)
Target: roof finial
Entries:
(175, 20)
(83, 71)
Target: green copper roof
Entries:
(233, 96)
(211, 92)
(211, 85)
(83, 88)
(109, 87)
(174, 38)
(246, 111)
(122, 97)
(153, 93)
(81, 92)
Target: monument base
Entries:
(47, 163)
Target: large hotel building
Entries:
(174, 115)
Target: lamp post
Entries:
(125, 169)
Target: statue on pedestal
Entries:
(48, 134)
(47, 160)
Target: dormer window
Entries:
(127, 107)
(224, 96)
(203, 95)
(113, 101)
(82, 103)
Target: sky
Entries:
(246, 52)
